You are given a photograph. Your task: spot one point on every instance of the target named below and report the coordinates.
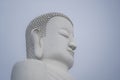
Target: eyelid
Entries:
(64, 33)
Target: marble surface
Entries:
(52, 49)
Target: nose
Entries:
(72, 45)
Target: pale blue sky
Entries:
(97, 34)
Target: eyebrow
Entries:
(68, 31)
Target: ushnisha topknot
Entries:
(39, 23)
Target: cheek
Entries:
(55, 44)
(61, 41)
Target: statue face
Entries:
(58, 44)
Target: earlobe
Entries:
(38, 43)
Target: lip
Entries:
(71, 51)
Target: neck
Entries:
(56, 65)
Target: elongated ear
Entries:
(38, 43)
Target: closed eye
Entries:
(64, 33)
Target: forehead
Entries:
(57, 22)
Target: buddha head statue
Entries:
(50, 36)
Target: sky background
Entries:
(96, 28)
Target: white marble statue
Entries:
(50, 45)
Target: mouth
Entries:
(71, 51)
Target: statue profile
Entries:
(50, 49)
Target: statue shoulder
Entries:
(29, 70)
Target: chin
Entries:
(63, 56)
(70, 61)
(66, 58)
